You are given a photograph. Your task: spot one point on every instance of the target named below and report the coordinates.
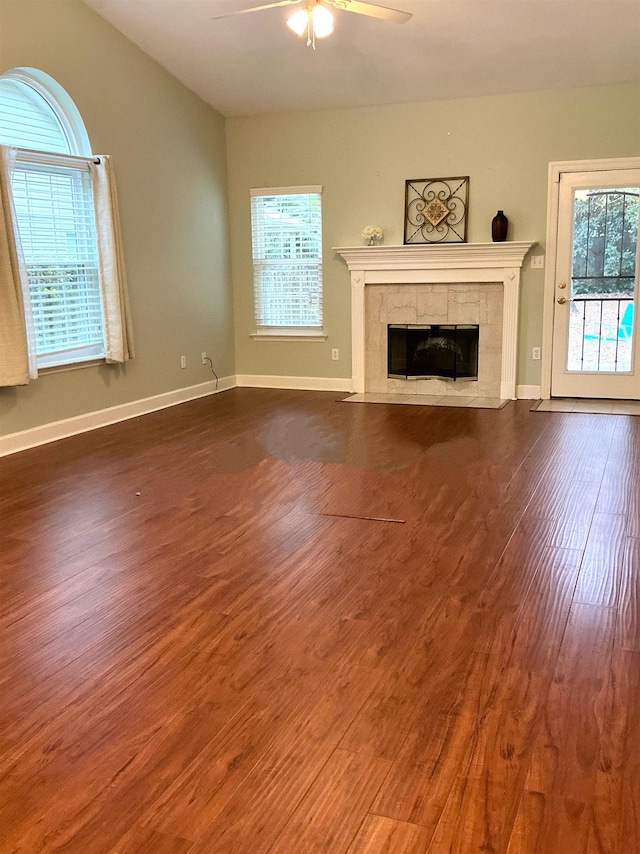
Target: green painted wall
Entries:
(169, 154)
(362, 157)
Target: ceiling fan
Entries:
(314, 16)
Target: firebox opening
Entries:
(423, 352)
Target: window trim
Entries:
(57, 158)
(288, 333)
(286, 191)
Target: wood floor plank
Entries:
(628, 628)
(616, 814)
(418, 786)
(542, 615)
(380, 835)
(564, 498)
(389, 709)
(573, 523)
(478, 817)
(549, 823)
(597, 582)
(525, 557)
(329, 815)
(619, 488)
(564, 761)
(506, 726)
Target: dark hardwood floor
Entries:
(269, 621)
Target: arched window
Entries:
(37, 113)
(62, 233)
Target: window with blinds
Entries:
(54, 208)
(55, 214)
(286, 231)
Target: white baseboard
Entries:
(302, 383)
(528, 392)
(14, 442)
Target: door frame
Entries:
(556, 169)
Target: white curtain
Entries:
(115, 298)
(17, 347)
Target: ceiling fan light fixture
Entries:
(322, 20)
(299, 22)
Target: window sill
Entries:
(315, 335)
(71, 366)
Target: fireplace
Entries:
(462, 283)
(442, 351)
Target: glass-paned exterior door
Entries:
(595, 351)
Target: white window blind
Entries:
(27, 121)
(56, 223)
(286, 230)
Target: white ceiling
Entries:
(450, 49)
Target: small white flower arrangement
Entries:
(373, 234)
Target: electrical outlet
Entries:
(183, 361)
(335, 354)
(537, 262)
(535, 354)
(204, 357)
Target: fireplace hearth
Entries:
(442, 351)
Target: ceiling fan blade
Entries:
(257, 8)
(382, 12)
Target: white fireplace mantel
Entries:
(453, 263)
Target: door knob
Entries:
(562, 285)
(561, 300)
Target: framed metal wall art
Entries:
(435, 210)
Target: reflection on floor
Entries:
(429, 400)
(595, 407)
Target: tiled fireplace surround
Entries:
(465, 283)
